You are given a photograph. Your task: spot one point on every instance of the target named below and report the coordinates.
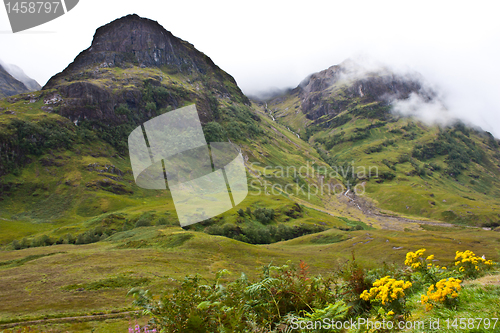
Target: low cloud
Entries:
(431, 112)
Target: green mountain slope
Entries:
(64, 165)
(443, 173)
(9, 85)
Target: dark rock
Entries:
(331, 91)
(132, 41)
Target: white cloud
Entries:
(430, 112)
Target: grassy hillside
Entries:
(70, 179)
(70, 280)
(448, 174)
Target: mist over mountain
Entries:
(408, 92)
(9, 85)
(17, 73)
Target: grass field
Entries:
(74, 280)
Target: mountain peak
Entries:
(9, 85)
(14, 81)
(136, 41)
(130, 33)
(130, 60)
(329, 91)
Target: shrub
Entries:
(151, 108)
(404, 158)
(423, 267)
(444, 291)
(214, 132)
(471, 265)
(280, 294)
(162, 221)
(122, 109)
(264, 215)
(142, 222)
(389, 294)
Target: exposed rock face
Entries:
(89, 91)
(135, 40)
(330, 91)
(9, 86)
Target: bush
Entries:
(404, 158)
(162, 221)
(389, 294)
(264, 234)
(264, 215)
(122, 109)
(214, 132)
(280, 294)
(142, 222)
(444, 291)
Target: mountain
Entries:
(130, 55)
(339, 121)
(18, 73)
(14, 81)
(70, 208)
(337, 88)
(9, 85)
(64, 158)
(348, 114)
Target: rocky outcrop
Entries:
(331, 91)
(135, 40)
(90, 91)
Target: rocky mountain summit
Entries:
(129, 56)
(333, 90)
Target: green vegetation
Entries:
(288, 296)
(77, 233)
(164, 255)
(438, 173)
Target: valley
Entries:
(333, 171)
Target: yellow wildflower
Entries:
(441, 291)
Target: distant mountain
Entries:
(12, 73)
(332, 91)
(19, 74)
(347, 113)
(9, 85)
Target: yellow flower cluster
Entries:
(386, 290)
(415, 259)
(439, 293)
(417, 262)
(469, 258)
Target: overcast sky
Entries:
(275, 44)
